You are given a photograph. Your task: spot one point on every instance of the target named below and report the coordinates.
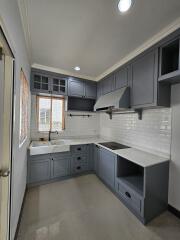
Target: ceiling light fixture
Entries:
(77, 68)
(124, 5)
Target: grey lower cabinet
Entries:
(39, 168)
(96, 156)
(106, 167)
(144, 190)
(46, 167)
(60, 165)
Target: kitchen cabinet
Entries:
(40, 83)
(96, 156)
(60, 165)
(107, 167)
(48, 83)
(39, 168)
(99, 89)
(108, 84)
(90, 89)
(144, 79)
(59, 86)
(81, 88)
(121, 78)
(76, 87)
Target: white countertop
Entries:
(137, 156)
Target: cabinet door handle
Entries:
(128, 194)
(78, 168)
(79, 149)
(79, 158)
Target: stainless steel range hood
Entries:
(116, 100)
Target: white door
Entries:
(6, 86)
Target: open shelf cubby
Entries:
(130, 174)
(170, 57)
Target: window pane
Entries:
(57, 114)
(44, 114)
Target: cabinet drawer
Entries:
(80, 159)
(79, 148)
(80, 168)
(129, 196)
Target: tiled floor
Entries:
(83, 208)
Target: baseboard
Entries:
(20, 215)
(174, 211)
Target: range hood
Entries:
(113, 101)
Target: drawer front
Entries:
(80, 159)
(129, 196)
(79, 149)
(80, 168)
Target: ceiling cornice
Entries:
(61, 71)
(155, 39)
(23, 9)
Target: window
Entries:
(24, 100)
(50, 114)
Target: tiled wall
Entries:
(152, 133)
(74, 126)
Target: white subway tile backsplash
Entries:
(152, 133)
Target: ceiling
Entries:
(91, 33)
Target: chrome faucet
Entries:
(49, 134)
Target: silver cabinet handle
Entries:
(4, 173)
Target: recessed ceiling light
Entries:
(77, 68)
(124, 5)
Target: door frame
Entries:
(8, 45)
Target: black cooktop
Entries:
(113, 145)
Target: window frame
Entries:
(51, 99)
(24, 99)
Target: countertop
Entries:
(142, 158)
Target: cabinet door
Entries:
(96, 159)
(76, 88)
(107, 167)
(59, 86)
(60, 166)
(108, 84)
(99, 89)
(144, 80)
(90, 89)
(39, 170)
(121, 78)
(40, 83)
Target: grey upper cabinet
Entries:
(81, 88)
(90, 89)
(76, 87)
(99, 89)
(107, 167)
(59, 86)
(144, 80)
(40, 83)
(46, 82)
(108, 84)
(121, 78)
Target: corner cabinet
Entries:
(145, 88)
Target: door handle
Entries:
(4, 173)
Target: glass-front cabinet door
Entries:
(59, 86)
(41, 83)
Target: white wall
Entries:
(174, 189)
(74, 126)
(152, 133)
(9, 14)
